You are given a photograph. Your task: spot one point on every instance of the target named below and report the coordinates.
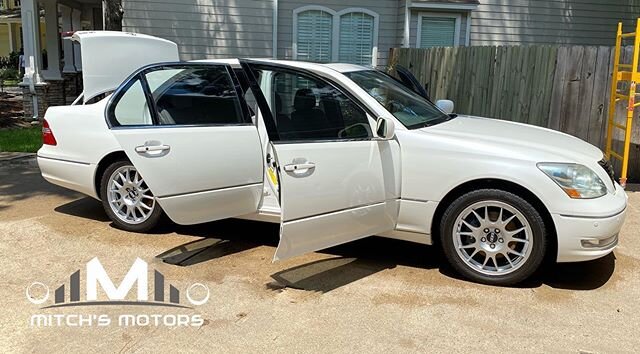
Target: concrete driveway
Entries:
(373, 295)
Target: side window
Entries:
(306, 108)
(188, 95)
(132, 108)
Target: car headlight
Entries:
(578, 181)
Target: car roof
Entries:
(339, 67)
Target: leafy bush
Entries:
(9, 74)
(10, 61)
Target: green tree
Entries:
(113, 15)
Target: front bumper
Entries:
(582, 238)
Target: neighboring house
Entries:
(363, 31)
(52, 66)
(356, 31)
(10, 27)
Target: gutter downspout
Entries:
(32, 88)
(467, 40)
(407, 16)
(275, 29)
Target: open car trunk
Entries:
(109, 57)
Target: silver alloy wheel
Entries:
(492, 237)
(129, 196)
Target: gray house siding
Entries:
(215, 28)
(581, 22)
(244, 28)
(387, 11)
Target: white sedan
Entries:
(332, 152)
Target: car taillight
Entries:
(47, 134)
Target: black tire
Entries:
(144, 226)
(533, 218)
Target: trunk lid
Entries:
(109, 57)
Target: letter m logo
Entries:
(96, 274)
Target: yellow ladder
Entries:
(631, 75)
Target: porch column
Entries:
(52, 35)
(75, 24)
(31, 38)
(12, 47)
(67, 46)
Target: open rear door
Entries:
(333, 189)
(186, 129)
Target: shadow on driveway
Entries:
(354, 261)
(21, 182)
(87, 208)
(327, 274)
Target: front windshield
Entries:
(410, 109)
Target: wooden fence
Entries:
(566, 88)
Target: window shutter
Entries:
(314, 35)
(437, 32)
(356, 38)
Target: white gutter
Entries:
(275, 29)
(468, 34)
(30, 73)
(445, 6)
(407, 16)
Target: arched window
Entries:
(356, 38)
(314, 35)
(322, 35)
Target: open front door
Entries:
(187, 130)
(338, 183)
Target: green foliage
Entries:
(21, 139)
(9, 74)
(10, 62)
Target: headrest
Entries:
(305, 99)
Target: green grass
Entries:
(11, 82)
(21, 139)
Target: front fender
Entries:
(432, 167)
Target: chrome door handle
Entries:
(297, 167)
(151, 148)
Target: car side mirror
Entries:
(445, 105)
(385, 128)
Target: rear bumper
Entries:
(77, 176)
(587, 238)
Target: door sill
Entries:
(271, 215)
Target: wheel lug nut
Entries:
(492, 246)
(483, 239)
(497, 231)
(486, 231)
(500, 240)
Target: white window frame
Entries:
(335, 30)
(457, 17)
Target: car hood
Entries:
(516, 140)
